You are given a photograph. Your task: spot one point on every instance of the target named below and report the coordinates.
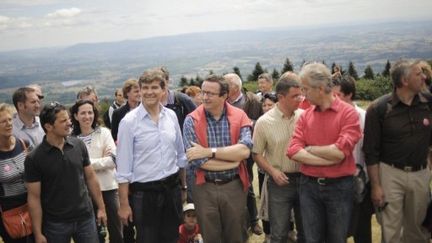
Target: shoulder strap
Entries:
(384, 107)
(24, 145)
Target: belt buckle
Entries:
(321, 181)
(408, 168)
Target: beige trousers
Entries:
(408, 195)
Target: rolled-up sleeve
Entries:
(246, 137)
(350, 132)
(297, 142)
(125, 152)
(189, 136)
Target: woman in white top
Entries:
(102, 151)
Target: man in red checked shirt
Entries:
(323, 141)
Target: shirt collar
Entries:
(238, 98)
(279, 113)
(20, 124)
(47, 147)
(418, 98)
(142, 112)
(335, 105)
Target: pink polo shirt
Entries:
(337, 125)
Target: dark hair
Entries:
(223, 84)
(20, 95)
(76, 129)
(155, 74)
(49, 112)
(347, 85)
(271, 96)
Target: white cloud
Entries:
(65, 13)
(4, 20)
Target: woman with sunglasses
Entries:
(13, 151)
(102, 151)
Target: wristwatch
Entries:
(213, 150)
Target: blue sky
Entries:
(45, 23)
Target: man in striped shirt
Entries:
(272, 133)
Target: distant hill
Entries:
(106, 65)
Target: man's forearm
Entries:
(373, 173)
(307, 158)
(95, 192)
(219, 165)
(35, 210)
(124, 193)
(328, 152)
(233, 153)
(263, 163)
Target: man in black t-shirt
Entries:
(58, 177)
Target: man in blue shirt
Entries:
(150, 154)
(218, 138)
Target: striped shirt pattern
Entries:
(12, 175)
(272, 134)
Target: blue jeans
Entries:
(82, 231)
(326, 209)
(281, 201)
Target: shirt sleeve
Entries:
(297, 142)
(125, 152)
(181, 155)
(31, 171)
(372, 136)
(258, 138)
(246, 137)
(189, 136)
(350, 132)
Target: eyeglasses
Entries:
(208, 93)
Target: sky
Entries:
(28, 24)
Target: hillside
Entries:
(63, 70)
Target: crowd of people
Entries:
(177, 166)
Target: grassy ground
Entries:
(376, 230)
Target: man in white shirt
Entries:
(150, 154)
(26, 124)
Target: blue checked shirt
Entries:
(218, 135)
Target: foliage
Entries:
(386, 71)
(288, 66)
(237, 71)
(183, 81)
(370, 89)
(352, 71)
(369, 73)
(256, 72)
(275, 75)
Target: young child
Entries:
(189, 231)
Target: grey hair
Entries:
(399, 70)
(318, 75)
(234, 79)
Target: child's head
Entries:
(189, 216)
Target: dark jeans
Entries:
(129, 230)
(157, 214)
(361, 227)
(82, 231)
(251, 202)
(326, 209)
(281, 201)
(111, 200)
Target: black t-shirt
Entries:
(64, 195)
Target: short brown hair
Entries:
(151, 75)
(128, 85)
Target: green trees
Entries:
(352, 71)
(237, 71)
(288, 66)
(256, 72)
(386, 71)
(369, 73)
(275, 75)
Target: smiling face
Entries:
(85, 116)
(211, 98)
(5, 124)
(151, 94)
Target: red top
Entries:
(338, 125)
(236, 119)
(186, 236)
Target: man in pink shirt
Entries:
(323, 141)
